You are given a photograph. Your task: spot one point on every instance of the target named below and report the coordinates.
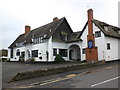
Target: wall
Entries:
(119, 49)
(49, 48)
(79, 44)
(58, 46)
(99, 42)
(84, 42)
(111, 54)
(42, 48)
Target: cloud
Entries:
(16, 14)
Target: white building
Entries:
(57, 37)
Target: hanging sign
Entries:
(90, 44)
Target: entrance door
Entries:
(74, 53)
(70, 54)
(27, 55)
(22, 56)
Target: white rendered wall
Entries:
(111, 54)
(119, 49)
(84, 42)
(16, 58)
(42, 48)
(9, 53)
(49, 46)
(59, 45)
(100, 43)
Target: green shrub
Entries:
(59, 59)
(30, 60)
(3, 59)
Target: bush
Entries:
(59, 59)
(30, 60)
(3, 59)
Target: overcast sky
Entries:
(15, 14)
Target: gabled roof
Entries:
(74, 37)
(20, 38)
(111, 30)
(46, 30)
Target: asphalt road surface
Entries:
(105, 76)
(10, 69)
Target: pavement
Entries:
(104, 76)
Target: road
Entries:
(105, 76)
(0, 75)
(10, 69)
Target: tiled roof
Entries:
(46, 30)
(111, 31)
(74, 36)
(20, 38)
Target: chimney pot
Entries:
(55, 18)
(27, 29)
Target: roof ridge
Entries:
(58, 24)
(107, 23)
(111, 32)
(47, 24)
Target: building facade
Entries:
(97, 41)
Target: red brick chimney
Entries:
(90, 25)
(27, 29)
(55, 18)
(91, 50)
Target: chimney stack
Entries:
(27, 29)
(90, 25)
(91, 50)
(55, 19)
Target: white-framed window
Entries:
(84, 51)
(18, 53)
(54, 51)
(34, 53)
(98, 34)
(38, 40)
(63, 52)
(108, 46)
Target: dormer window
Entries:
(38, 40)
(106, 28)
(45, 35)
(64, 36)
(20, 44)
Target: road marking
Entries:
(53, 81)
(63, 78)
(105, 81)
(71, 75)
(60, 79)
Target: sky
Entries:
(15, 14)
